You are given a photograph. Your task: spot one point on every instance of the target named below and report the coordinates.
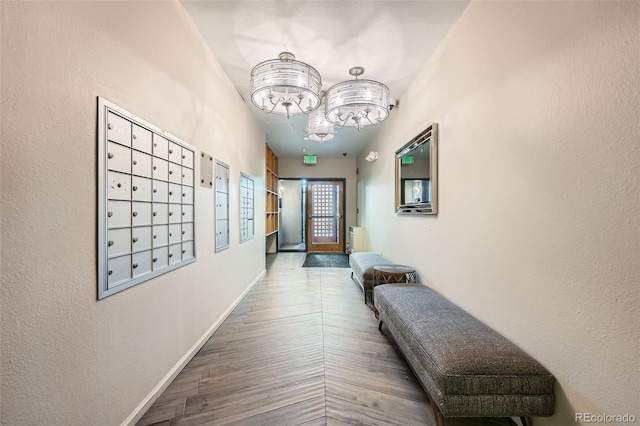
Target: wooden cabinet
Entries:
(271, 184)
(271, 201)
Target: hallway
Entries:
(301, 348)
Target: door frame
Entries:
(302, 218)
(343, 199)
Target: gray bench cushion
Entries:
(362, 264)
(466, 367)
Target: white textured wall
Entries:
(68, 359)
(538, 230)
(340, 168)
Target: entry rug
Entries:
(326, 260)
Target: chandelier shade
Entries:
(318, 128)
(285, 86)
(357, 103)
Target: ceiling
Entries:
(392, 40)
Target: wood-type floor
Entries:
(300, 349)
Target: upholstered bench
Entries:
(466, 368)
(362, 264)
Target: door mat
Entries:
(326, 260)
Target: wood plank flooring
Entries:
(300, 349)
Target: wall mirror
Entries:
(417, 174)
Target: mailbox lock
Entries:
(110, 272)
(170, 172)
(110, 243)
(170, 192)
(155, 236)
(170, 151)
(170, 233)
(110, 126)
(135, 239)
(170, 213)
(135, 265)
(135, 137)
(155, 214)
(135, 162)
(184, 251)
(155, 259)
(155, 190)
(110, 155)
(135, 188)
(170, 254)
(109, 214)
(135, 214)
(155, 167)
(184, 232)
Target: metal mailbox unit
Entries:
(146, 201)
(222, 206)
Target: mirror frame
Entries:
(430, 134)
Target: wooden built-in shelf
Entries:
(271, 184)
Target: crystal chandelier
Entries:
(285, 86)
(357, 103)
(318, 128)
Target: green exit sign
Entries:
(407, 159)
(310, 159)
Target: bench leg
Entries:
(379, 325)
(437, 414)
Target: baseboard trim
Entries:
(147, 402)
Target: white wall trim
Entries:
(148, 401)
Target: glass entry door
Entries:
(293, 204)
(325, 203)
